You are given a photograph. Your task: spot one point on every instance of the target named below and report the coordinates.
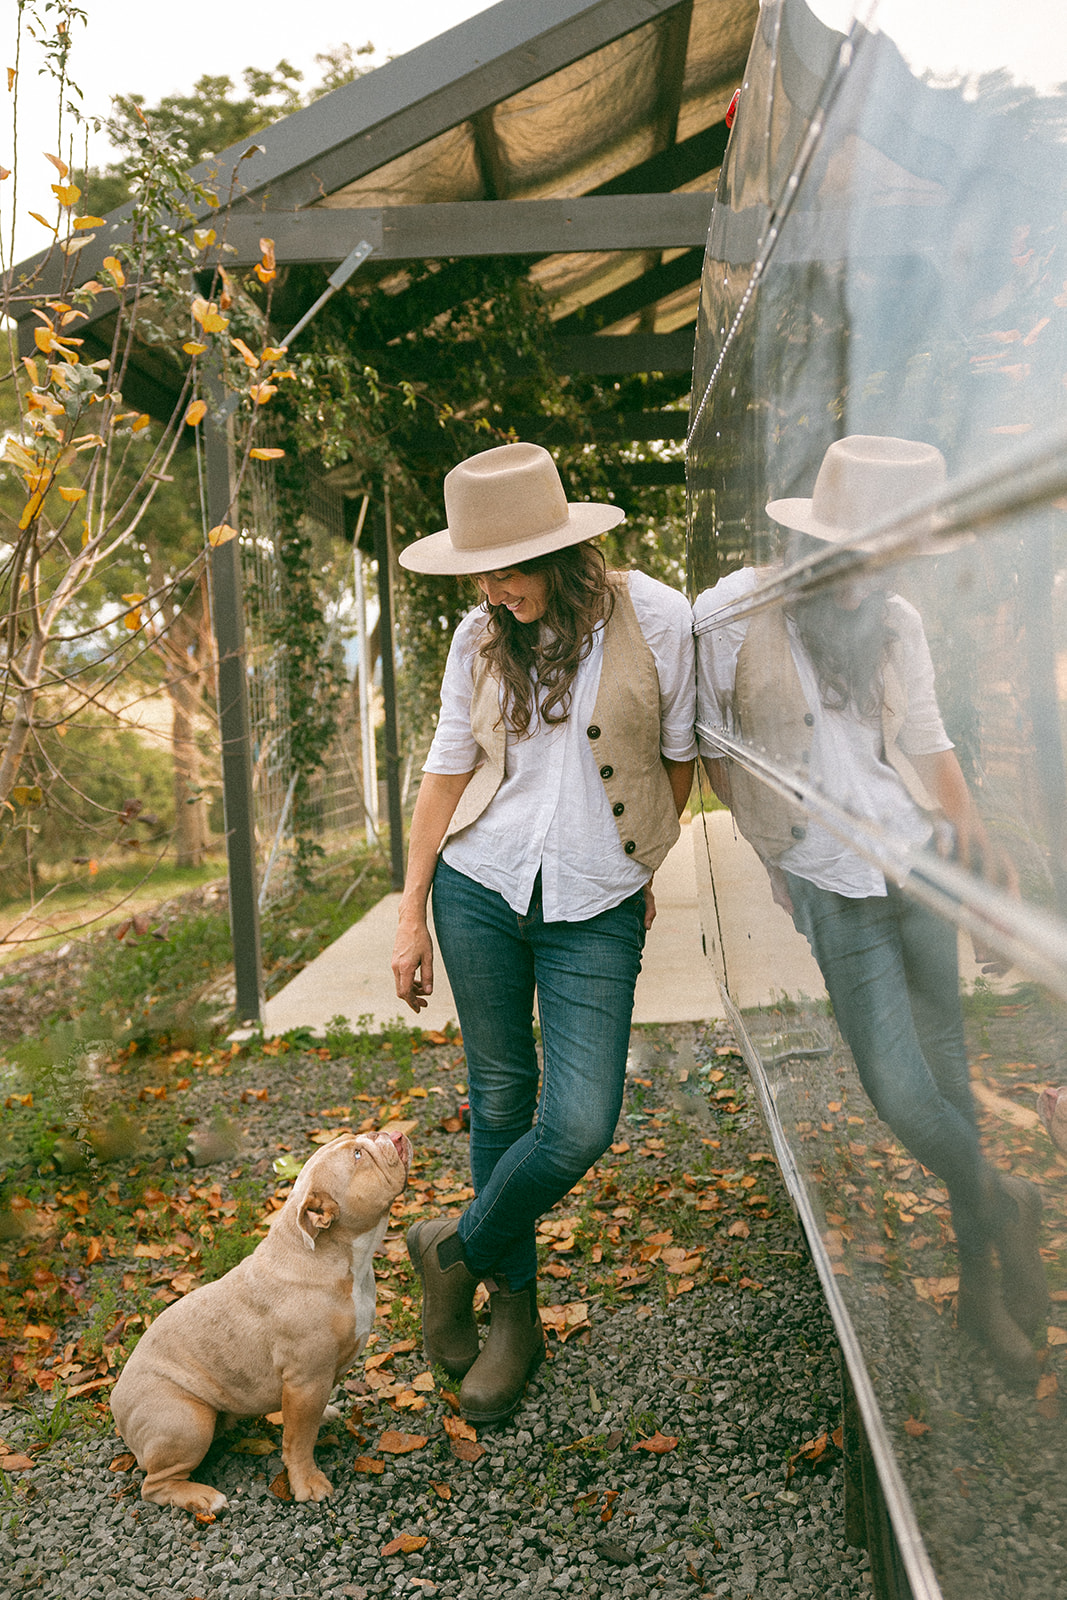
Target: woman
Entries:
(841, 687)
(562, 759)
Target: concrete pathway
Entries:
(764, 954)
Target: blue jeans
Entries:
(892, 973)
(529, 1149)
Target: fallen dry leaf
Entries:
(368, 1464)
(467, 1449)
(404, 1544)
(456, 1428)
(916, 1429)
(565, 1320)
(658, 1445)
(280, 1486)
(401, 1444)
(124, 1463)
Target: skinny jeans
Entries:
(531, 1144)
(892, 973)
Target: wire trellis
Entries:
(336, 800)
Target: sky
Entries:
(164, 49)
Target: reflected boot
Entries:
(449, 1332)
(1022, 1272)
(514, 1348)
(980, 1312)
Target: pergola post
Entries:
(383, 550)
(235, 728)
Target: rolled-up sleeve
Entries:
(454, 748)
(666, 622)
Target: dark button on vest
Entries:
(607, 772)
(629, 847)
(593, 731)
(618, 808)
(809, 720)
(798, 832)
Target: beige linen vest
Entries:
(624, 733)
(773, 717)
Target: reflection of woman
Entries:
(562, 759)
(841, 688)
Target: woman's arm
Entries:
(438, 797)
(680, 774)
(943, 779)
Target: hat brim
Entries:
(797, 514)
(437, 554)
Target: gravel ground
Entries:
(741, 1369)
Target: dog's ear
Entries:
(315, 1215)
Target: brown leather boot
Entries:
(1022, 1272)
(514, 1348)
(449, 1331)
(980, 1312)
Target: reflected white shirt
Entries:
(847, 762)
(551, 812)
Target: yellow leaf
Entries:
(192, 348)
(89, 222)
(196, 413)
(31, 367)
(133, 599)
(28, 795)
(72, 495)
(113, 265)
(274, 352)
(44, 339)
(60, 165)
(263, 274)
(245, 353)
(68, 194)
(31, 508)
(142, 422)
(37, 217)
(261, 392)
(267, 247)
(5, 172)
(11, 76)
(203, 237)
(206, 313)
(262, 453)
(221, 535)
(132, 619)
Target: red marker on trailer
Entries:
(731, 109)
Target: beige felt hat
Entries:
(863, 479)
(505, 506)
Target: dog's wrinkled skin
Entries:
(273, 1334)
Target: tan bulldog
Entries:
(275, 1333)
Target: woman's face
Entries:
(525, 594)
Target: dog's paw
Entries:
(316, 1486)
(196, 1498)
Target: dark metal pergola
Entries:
(582, 135)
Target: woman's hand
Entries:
(650, 906)
(413, 962)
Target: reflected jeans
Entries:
(891, 971)
(529, 1149)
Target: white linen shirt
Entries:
(847, 761)
(551, 813)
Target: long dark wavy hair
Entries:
(846, 647)
(579, 596)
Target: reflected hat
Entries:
(505, 506)
(863, 479)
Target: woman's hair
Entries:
(846, 647)
(578, 596)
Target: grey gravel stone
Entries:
(728, 1371)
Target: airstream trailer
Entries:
(877, 485)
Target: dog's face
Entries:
(349, 1185)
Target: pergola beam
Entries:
(325, 235)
